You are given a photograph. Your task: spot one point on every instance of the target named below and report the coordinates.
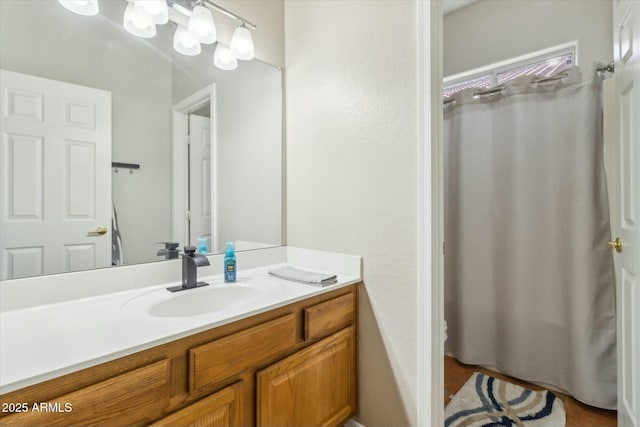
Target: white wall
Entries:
(351, 104)
(494, 30)
(248, 166)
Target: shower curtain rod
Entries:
(609, 68)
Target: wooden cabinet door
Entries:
(216, 361)
(221, 409)
(130, 399)
(314, 387)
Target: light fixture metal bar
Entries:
(224, 11)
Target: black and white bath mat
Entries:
(485, 401)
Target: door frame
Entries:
(179, 167)
(430, 291)
(430, 363)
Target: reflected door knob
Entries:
(98, 231)
(616, 244)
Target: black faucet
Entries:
(170, 250)
(190, 263)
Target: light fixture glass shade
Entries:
(137, 22)
(242, 44)
(81, 7)
(201, 25)
(185, 43)
(157, 10)
(224, 59)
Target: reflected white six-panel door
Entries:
(200, 179)
(55, 176)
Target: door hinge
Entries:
(188, 215)
(187, 139)
(443, 251)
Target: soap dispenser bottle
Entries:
(229, 263)
(202, 245)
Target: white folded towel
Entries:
(308, 277)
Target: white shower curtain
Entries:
(529, 283)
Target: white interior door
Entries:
(55, 176)
(200, 149)
(626, 33)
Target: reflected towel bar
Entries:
(130, 166)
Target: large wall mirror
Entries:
(114, 144)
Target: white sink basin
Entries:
(196, 302)
(206, 301)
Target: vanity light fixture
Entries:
(137, 21)
(192, 26)
(157, 10)
(242, 44)
(224, 59)
(185, 43)
(201, 25)
(81, 7)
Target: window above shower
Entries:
(542, 63)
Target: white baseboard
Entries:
(351, 422)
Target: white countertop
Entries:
(47, 341)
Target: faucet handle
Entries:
(189, 250)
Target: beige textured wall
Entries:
(352, 174)
(494, 30)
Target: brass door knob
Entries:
(98, 231)
(616, 244)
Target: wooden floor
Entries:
(578, 414)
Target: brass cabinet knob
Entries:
(98, 231)
(616, 244)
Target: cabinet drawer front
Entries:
(215, 361)
(322, 319)
(221, 409)
(314, 387)
(132, 398)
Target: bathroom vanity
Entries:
(290, 366)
